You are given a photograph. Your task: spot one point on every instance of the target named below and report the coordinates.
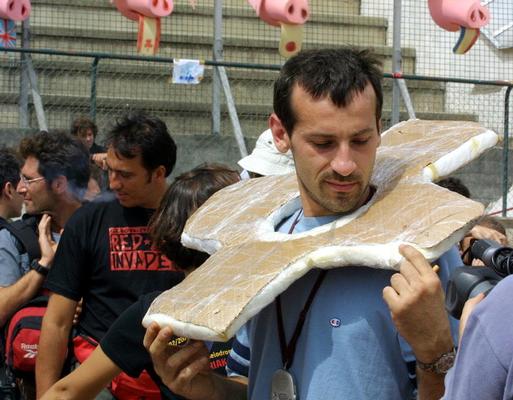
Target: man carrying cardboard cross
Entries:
(327, 111)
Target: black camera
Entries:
(466, 282)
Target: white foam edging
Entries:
(384, 256)
(209, 246)
(457, 158)
(183, 329)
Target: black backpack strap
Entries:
(25, 230)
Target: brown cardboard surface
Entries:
(254, 264)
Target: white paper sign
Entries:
(188, 72)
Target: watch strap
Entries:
(41, 269)
(441, 365)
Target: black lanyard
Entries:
(288, 351)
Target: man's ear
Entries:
(8, 190)
(280, 135)
(60, 184)
(4, 190)
(159, 173)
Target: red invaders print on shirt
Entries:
(131, 250)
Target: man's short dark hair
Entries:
(187, 192)
(142, 134)
(454, 185)
(59, 154)
(339, 74)
(82, 124)
(10, 166)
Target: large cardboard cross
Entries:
(251, 264)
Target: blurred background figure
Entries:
(86, 130)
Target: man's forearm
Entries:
(229, 388)
(14, 296)
(53, 345)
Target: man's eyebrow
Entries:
(327, 135)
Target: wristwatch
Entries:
(441, 365)
(39, 268)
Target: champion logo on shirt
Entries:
(335, 322)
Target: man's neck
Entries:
(4, 212)
(66, 210)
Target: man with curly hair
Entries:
(53, 179)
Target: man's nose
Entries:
(114, 181)
(21, 188)
(343, 162)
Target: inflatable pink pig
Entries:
(16, 10)
(148, 8)
(452, 15)
(276, 12)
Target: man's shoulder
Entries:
(95, 209)
(6, 237)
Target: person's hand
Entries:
(476, 233)
(47, 245)
(100, 159)
(470, 304)
(184, 370)
(416, 301)
(482, 232)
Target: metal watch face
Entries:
(444, 363)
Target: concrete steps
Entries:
(239, 21)
(95, 26)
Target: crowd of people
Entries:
(106, 227)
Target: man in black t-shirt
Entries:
(105, 255)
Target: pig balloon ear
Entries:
(16, 10)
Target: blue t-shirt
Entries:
(484, 362)
(348, 348)
(13, 265)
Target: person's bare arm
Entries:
(87, 380)
(416, 301)
(186, 372)
(14, 296)
(53, 341)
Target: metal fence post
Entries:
(396, 61)
(24, 118)
(218, 56)
(505, 153)
(92, 100)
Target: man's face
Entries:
(334, 150)
(133, 185)
(17, 204)
(87, 138)
(37, 194)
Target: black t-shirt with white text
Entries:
(105, 256)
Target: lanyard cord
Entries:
(288, 351)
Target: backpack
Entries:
(22, 335)
(123, 386)
(25, 230)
